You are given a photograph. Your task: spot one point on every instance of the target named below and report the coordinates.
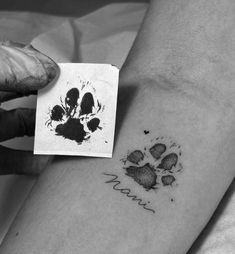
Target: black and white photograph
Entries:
(117, 127)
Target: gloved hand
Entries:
(23, 70)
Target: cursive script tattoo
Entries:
(126, 191)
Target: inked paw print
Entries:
(75, 118)
(154, 166)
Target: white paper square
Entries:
(68, 121)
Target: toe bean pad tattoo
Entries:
(154, 166)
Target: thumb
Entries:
(24, 69)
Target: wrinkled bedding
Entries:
(103, 36)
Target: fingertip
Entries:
(26, 68)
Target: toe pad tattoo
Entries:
(152, 167)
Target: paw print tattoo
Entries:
(76, 118)
(154, 166)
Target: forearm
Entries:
(78, 206)
(185, 42)
(87, 206)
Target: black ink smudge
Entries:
(168, 161)
(72, 129)
(146, 132)
(127, 192)
(71, 100)
(57, 113)
(93, 124)
(157, 150)
(144, 176)
(167, 180)
(72, 97)
(87, 104)
(135, 157)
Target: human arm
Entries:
(72, 209)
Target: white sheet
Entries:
(104, 36)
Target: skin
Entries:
(177, 81)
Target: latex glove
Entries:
(23, 70)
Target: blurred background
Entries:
(63, 7)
